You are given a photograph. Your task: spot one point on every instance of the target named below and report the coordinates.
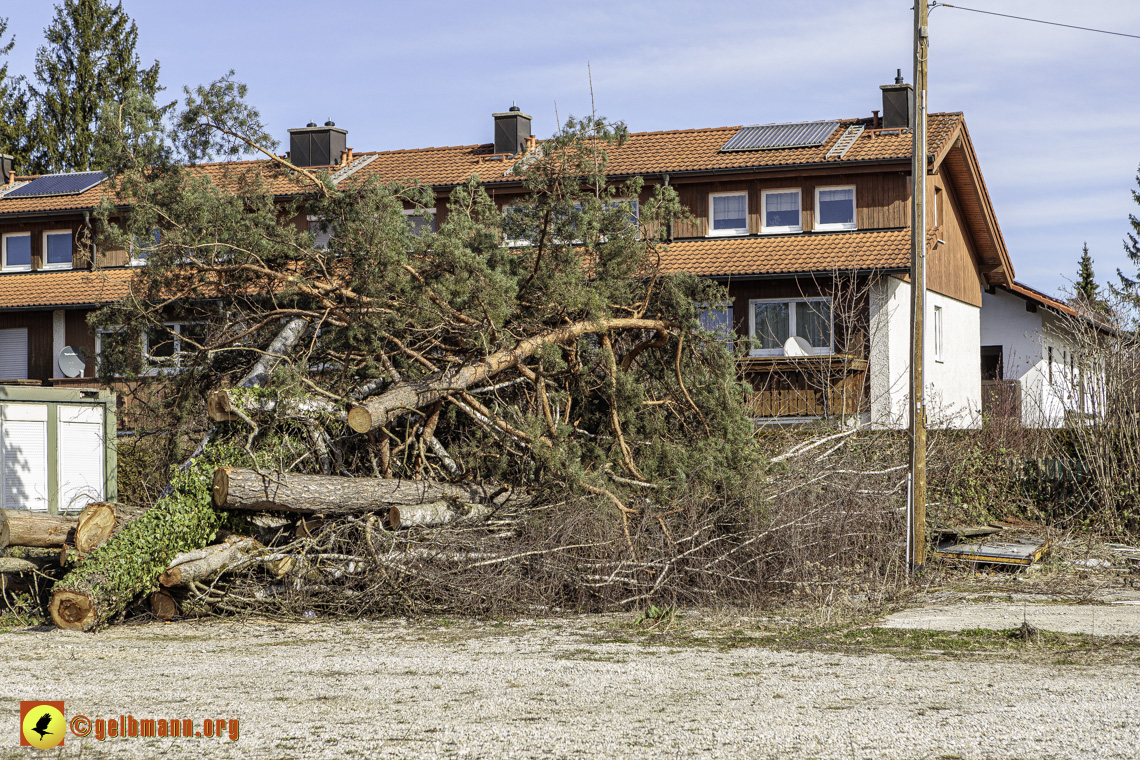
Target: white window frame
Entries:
(736, 231)
(724, 307)
(4, 265)
(764, 228)
(815, 350)
(505, 209)
(939, 335)
(139, 259)
(175, 361)
(843, 226)
(44, 259)
(421, 212)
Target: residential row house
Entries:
(806, 224)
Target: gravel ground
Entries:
(1114, 619)
(566, 688)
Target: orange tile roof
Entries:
(790, 254)
(65, 288)
(684, 150)
(1033, 294)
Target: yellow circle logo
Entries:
(44, 727)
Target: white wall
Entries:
(953, 384)
(1026, 338)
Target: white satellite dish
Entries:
(796, 346)
(71, 361)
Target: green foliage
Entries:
(1086, 286)
(129, 564)
(14, 139)
(657, 616)
(87, 65)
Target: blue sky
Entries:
(1054, 113)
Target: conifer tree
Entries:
(88, 62)
(1132, 249)
(13, 104)
(1087, 289)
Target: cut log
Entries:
(435, 513)
(39, 529)
(163, 606)
(128, 565)
(221, 405)
(17, 565)
(238, 488)
(4, 530)
(99, 521)
(213, 560)
(379, 410)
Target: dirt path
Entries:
(580, 688)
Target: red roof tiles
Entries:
(66, 288)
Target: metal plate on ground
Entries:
(1019, 551)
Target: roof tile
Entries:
(66, 288)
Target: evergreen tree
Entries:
(13, 105)
(88, 62)
(1132, 249)
(1087, 289)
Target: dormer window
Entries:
(780, 211)
(835, 208)
(17, 252)
(57, 249)
(728, 213)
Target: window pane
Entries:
(19, 251)
(160, 343)
(837, 206)
(192, 331)
(771, 321)
(419, 223)
(59, 248)
(321, 233)
(813, 322)
(717, 320)
(730, 212)
(782, 210)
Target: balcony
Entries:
(806, 387)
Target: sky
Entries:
(1054, 113)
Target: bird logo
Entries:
(42, 724)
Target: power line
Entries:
(1035, 20)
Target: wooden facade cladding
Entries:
(40, 360)
(952, 259)
(881, 199)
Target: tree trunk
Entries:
(221, 405)
(17, 565)
(99, 521)
(39, 529)
(5, 530)
(379, 410)
(206, 563)
(435, 513)
(236, 488)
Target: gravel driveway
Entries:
(574, 688)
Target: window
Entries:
(1050, 361)
(938, 334)
(937, 207)
(321, 231)
(717, 319)
(728, 213)
(163, 346)
(57, 249)
(17, 254)
(634, 211)
(141, 247)
(992, 363)
(835, 208)
(771, 323)
(420, 220)
(14, 353)
(780, 211)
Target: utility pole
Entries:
(916, 506)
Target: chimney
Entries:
(898, 104)
(511, 131)
(317, 146)
(5, 169)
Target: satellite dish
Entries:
(796, 346)
(71, 361)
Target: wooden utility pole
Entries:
(916, 506)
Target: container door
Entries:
(81, 456)
(23, 456)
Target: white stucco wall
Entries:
(953, 382)
(1026, 338)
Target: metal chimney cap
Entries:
(514, 107)
(898, 76)
(311, 124)
(329, 123)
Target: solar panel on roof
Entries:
(58, 184)
(801, 134)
